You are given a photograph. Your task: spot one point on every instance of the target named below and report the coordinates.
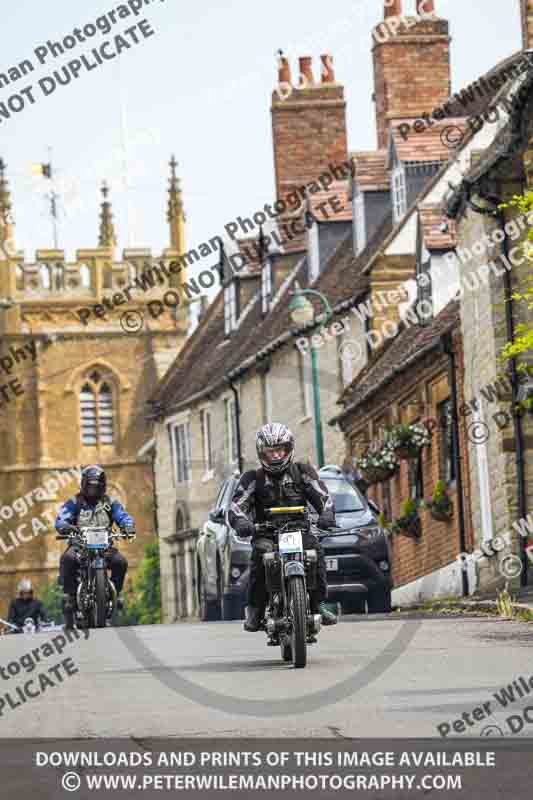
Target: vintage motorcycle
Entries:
(96, 596)
(290, 572)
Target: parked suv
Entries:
(222, 562)
(357, 551)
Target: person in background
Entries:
(26, 605)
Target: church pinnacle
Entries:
(176, 214)
(107, 237)
(6, 217)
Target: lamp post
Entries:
(302, 313)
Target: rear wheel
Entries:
(298, 606)
(100, 604)
(379, 600)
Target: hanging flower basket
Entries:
(440, 505)
(378, 464)
(408, 440)
(440, 513)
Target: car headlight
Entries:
(235, 573)
(384, 566)
(371, 533)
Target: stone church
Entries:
(73, 388)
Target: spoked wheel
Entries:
(298, 605)
(100, 600)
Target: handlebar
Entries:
(77, 534)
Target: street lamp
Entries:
(302, 313)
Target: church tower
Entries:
(81, 346)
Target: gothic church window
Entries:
(45, 276)
(96, 411)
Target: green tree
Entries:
(523, 342)
(142, 595)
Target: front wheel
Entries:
(100, 604)
(298, 606)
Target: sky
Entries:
(199, 88)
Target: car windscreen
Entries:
(345, 496)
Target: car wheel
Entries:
(232, 607)
(208, 609)
(379, 600)
(356, 604)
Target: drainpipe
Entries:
(446, 342)
(498, 214)
(237, 422)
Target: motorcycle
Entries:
(96, 596)
(290, 573)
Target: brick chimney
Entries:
(411, 64)
(527, 24)
(308, 124)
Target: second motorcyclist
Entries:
(91, 507)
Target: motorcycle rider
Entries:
(91, 507)
(279, 482)
(26, 605)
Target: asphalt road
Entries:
(368, 676)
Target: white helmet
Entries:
(275, 447)
(25, 586)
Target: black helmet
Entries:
(275, 447)
(93, 482)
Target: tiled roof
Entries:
(407, 347)
(371, 170)
(435, 143)
(432, 218)
(337, 194)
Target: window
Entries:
(266, 285)
(266, 399)
(447, 441)
(231, 430)
(96, 411)
(399, 193)
(181, 452)
(230, 308)
(304, 370)
(416, 478)
(347, 360)
(85, 276)
(45, 275)
(359, 221)
(205, 421)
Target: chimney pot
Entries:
(284, 70)
(393, 8)
(425, 7)
(306, 71)
(328, 74)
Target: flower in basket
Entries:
(378, 463)
(408, 440)
(408, 523)
(440, 505)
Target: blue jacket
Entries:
(67, 513)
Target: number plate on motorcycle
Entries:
(332, 564)
(96, 539)
(290, 542)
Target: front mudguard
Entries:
(293, 568)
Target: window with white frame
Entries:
(266, 398)
(266, 285)
(230, 308)
(304, 371)
(359, 221)
(230, 414)
(207, 446)
(180, 437)
(347, 359)
(399, 193)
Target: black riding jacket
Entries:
(299, 484)
(20, 609)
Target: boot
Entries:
(69, 606)
(253, 618)
(319, 607)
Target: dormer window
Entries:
(266, 286)
(230, 307)
(399, 193)
(359, 221)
